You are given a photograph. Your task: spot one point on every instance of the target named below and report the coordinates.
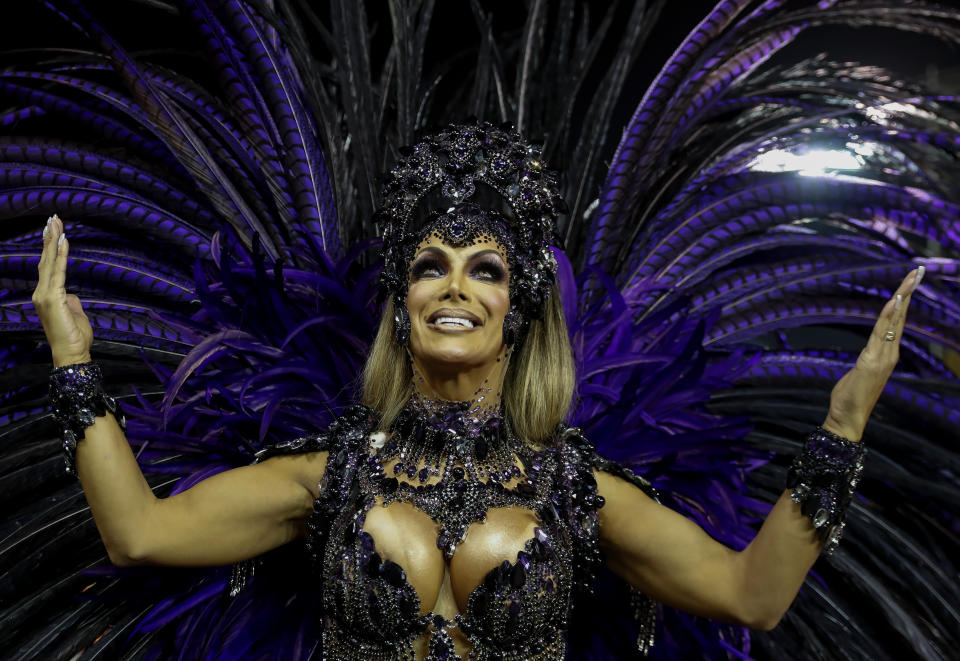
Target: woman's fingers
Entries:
(904, 292)
(68, 330)
(60, 246)
(893, 316)
(51, 250)
(44, 257)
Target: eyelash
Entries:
(494, 273)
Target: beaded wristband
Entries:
(823, 477)
(77, 398)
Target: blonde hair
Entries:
(537, 390)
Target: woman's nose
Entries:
(456, 287)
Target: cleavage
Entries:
(408, 537)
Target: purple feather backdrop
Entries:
(724, 258)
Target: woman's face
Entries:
(457, 300)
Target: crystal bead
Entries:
(86, 417)
(458, 189)
(821, 518)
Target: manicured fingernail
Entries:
(46, 231)
(896, 306)
(916, 282)
(60, 240)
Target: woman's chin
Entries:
(452, 358)
(455, 353)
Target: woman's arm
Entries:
(232, 516)
(673, 560)
(229, 517)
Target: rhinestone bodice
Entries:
(521, 608)
(517, 611)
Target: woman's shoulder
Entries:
(583, 458)
(346, 433)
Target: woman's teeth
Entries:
(454, 321)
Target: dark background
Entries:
(26, 24)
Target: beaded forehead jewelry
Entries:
(512, 197)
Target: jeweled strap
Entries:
(645, 616)
(823, 477)
(77, 399)
(644, 608)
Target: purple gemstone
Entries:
(518, 577)
(366, 542)
(524, 559)
(424, 475)
(393, 573)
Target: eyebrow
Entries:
(480, 253)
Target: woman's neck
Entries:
(481, 388)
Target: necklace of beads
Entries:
(474, 454)
(438, 436)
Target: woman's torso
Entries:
(438, 568)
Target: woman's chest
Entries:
(472, 560)
(408, 537)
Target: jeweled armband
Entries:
(77, 398)
(823, 477)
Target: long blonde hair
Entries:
(537, 390)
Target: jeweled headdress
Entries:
(464, 175)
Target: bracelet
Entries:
(823, 477)
(77, 398)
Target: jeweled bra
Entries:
(519, 611)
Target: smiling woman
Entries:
(457, 300)
(220, 200)
(460, 273)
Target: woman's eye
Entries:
(490, 272)
(426, 269)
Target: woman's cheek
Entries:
(500, 305)
(417, 295)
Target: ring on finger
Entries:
(890, 336)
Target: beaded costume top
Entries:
(519, 611)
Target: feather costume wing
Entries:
(713, 293)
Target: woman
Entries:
(454, 513)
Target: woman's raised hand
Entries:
(855, 395)
(68, 330)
